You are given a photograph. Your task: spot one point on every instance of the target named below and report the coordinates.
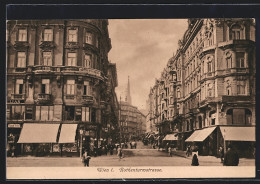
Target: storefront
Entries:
(13, 132)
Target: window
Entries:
(209, 67)
(89, 38)
(46, 86)
(21, 59)
(240, 58)
(48, 35)
(86, 88)
(18, 112)
(239, 116)
(44, 113)
(241, 87)
(73, 35)
(236, 33)
(22, 35)
(85, 114)
(70, 87)
(171, 88)
(171, 100)
(229, 59)
(29, 112)
(178, 93)
(19, 86)
(210, 91)
(47, 58)
(69, 112)
(71, 59)
(87, 61)
(228, 88)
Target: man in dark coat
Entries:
(231, 157)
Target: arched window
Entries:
(212, 116)
(210, 91)
(229, 59)
(178, 93)
(239, 116)
(228, 88)
(209, 63)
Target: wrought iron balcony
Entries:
(44, 98)
(17, 96)
(70, 97)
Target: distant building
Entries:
(60, 85)
(132, 120)
(206, 93)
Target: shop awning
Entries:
(68, 133)
(39, 133)
(238, 133)
(200, 135)
(170, 137)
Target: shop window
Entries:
(18, 112)
(240, 60)
(70, 87)
(85, 114)
(48, 35)
(21, 59)
(44, 113)
(19, 86)
(78, 113)
(241, 87)
(45, 86)
(248, 116)
(72, 59)
(87, 61)
(29, 112)
(22, 35)
(69, 112)
(239, 116)
(89, 38)
(47, 58)
(73, 35)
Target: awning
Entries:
(170, 137)
(238, 133)
(39, 133)
(200, 135)
(68, 133)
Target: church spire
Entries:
(128, 95)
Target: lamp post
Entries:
(81, 136)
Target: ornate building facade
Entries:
(206, 94)
(60, 84)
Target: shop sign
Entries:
(15, 101)
(14, 126)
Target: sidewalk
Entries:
(213, 159)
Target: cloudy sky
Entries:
(141, 49)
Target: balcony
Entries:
(91, 71)
(70, 97)
(72, 45)
(44, 98)
(87, 46)
(20, 69)
(70, 69)
(236, 98)
(236, 70)
(47, 44)
(231, 43)
(17, 96)
(42, 69)
(20, 45)
(87, 100)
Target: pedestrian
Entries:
(86, 158)
(170, 151)
(231, 157)
(130, 145)
(188, 151)
(119, 153)
(13, 151)
(195, 160)
(221, 154)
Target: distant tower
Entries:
(128, 96)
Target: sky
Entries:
(141, 49)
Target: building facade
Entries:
(58, 73)
(206, 93)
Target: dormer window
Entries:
(48, 35)
(236, 33)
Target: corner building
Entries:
(60, 84)
(213, 93)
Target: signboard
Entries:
(15, 101)
(14, 126)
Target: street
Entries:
(142, 156)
